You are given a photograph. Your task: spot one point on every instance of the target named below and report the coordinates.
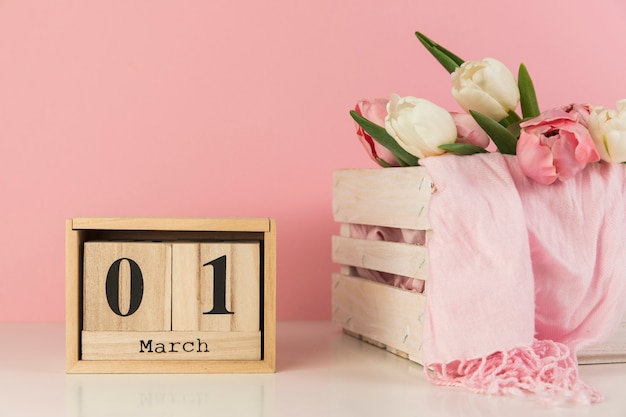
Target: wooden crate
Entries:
(380, 314)
(171, 327)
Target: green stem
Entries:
(513, 117)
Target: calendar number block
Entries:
(224, 279)
(127, 286)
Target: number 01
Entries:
(137, 283)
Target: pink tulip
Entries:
(581, 110)
(374, 111)
(468, 131)
(556, 144)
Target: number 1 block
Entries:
(216, 286)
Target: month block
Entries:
(170, 295)
(172, 346)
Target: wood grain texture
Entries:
(171, 367)
(73, 294)
(237, 224)
(79, 231)
(393, 197)
(154, 260)
(269, 296)
(192, 286)
(171, 346)
(391, 257)
(387, 315)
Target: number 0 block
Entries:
(127, 286)
(170, 295)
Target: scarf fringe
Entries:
(546, 368)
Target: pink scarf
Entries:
(522, 275)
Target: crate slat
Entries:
(388, 315)
(391, 257)
(392, 197)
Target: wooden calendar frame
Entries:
(81, 230)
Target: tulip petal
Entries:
(380, 135)
(550, 117)
(374, 111)
(608, 130)
(535, 160)
(501, 84)
(563, 152)
(475, 100)
(468, 131)
(616, 143)
(418, 125)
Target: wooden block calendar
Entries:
(170, 295)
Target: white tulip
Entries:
(419, 126)
(487, 87)
(608, 130)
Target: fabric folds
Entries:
(522, 275)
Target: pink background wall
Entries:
(222, 108)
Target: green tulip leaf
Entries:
(528, 98)
(504, 140)
(427, 41)
(382, 162)
(462, 148)
(446, 58)
(510, 119)
(380, 135)
(514, 128)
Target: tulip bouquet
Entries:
(552, 144)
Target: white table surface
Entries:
(321, 372)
